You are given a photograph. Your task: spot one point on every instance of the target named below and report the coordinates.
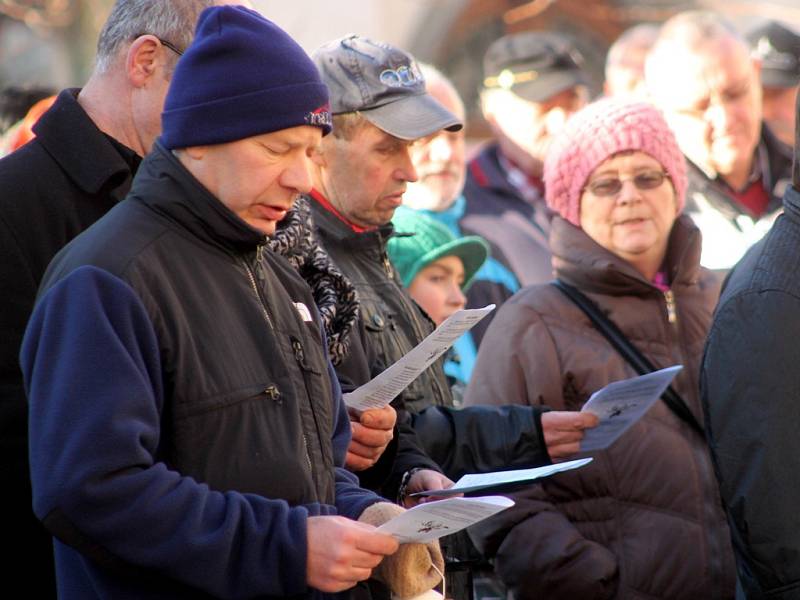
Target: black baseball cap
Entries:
(778, 49)
(384, 84)
(535, 65)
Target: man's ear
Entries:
(142, 59)
(195, 152)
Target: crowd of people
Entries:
(218, 235)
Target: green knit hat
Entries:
(419, 241)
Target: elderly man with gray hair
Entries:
(87, 149)
(701, 75)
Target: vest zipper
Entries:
(299, 356)
(252, 278)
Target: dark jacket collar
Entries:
(487, 172)
(332, 227)
(167, 187)
(581, 261)
(91, 159)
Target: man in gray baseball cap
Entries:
(380, 107)
(384, 84)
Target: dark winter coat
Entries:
(751, 395)
(52, 188)
(184, 418)
(644, 520)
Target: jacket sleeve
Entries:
(537, 550)
(351, 499)
(750, 385)
(92, 368)
(538, 553)
(480, 439)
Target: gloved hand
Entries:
(409, 571)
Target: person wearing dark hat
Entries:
(777, 47)
(533, 81)
(187, 432)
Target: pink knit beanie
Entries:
(599, 131)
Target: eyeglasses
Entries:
(164, 43)
(611, 186)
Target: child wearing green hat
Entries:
(436, 268)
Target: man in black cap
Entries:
(533, 81)
(778, 48)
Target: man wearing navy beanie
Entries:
(186, 432)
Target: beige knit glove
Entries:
(409, 571)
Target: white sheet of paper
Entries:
(381, 390)
(473, 483)
(621, 403)
(432, 520)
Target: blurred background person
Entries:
(533, 81)
(701, 75)
(437, 269)
(777, 47)
(644, 520)
(17, 100)
(440, 162)
(624, 70)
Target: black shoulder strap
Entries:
(629, 352)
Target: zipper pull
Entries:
(259, 265)
(299, 355)
(672, 315)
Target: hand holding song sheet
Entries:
(483, 481)
(426, 522)
(386, 386)
(621, 403)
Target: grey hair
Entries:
(695, 29)
(434, 77)
(170, 20)
(641, 36)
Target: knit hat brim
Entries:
(249, 110)
(412, 117)
(471, 249)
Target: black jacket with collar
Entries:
(750, 387)
(53, 188)
(238, 399)
(475, 440)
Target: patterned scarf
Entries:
(333, 293)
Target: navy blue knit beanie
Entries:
(242, 76)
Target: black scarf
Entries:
(333, 293)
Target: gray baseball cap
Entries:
(384, 84)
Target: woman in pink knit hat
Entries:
(644, 519)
